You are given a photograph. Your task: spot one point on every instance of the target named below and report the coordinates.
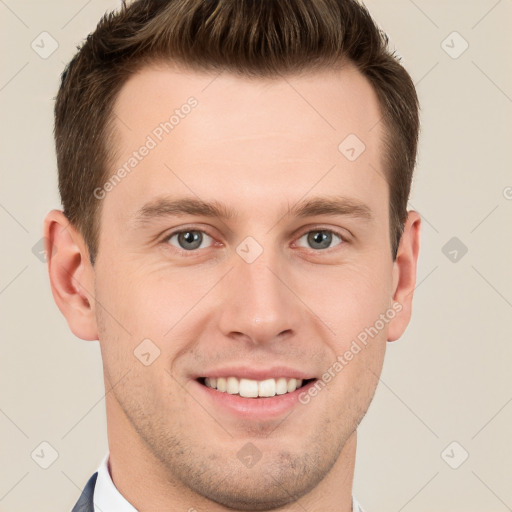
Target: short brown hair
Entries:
(261, 38)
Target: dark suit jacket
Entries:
(85, 503)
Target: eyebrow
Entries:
(337, 205)
(168, 207)
(163, 207)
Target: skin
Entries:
(258, 147)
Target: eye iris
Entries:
(321, 237)
(190, 237)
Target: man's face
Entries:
(263, 294)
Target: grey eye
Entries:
(320, 238)
(189, 240)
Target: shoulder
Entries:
(85, 502)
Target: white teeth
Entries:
(232, 385)
(249, 388)
(292, 385)
(267, 387)
(221, 384)
(281, 386)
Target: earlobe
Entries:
(404, 274)
(71, 275)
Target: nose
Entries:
(258, 304)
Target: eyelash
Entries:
(194, 252)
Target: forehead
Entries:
(335, 101)
(216, 134)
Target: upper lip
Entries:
(254, 373)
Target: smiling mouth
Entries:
(248, 388)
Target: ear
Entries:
(71, 274)
(404, 275)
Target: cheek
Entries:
(141, 303)
(134, 351)
(148, 321)
(128, 326)
(348, 298)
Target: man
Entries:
(235, 233)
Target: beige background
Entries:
(447, 379)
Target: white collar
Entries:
(106, 496)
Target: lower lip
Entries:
(266, 408)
